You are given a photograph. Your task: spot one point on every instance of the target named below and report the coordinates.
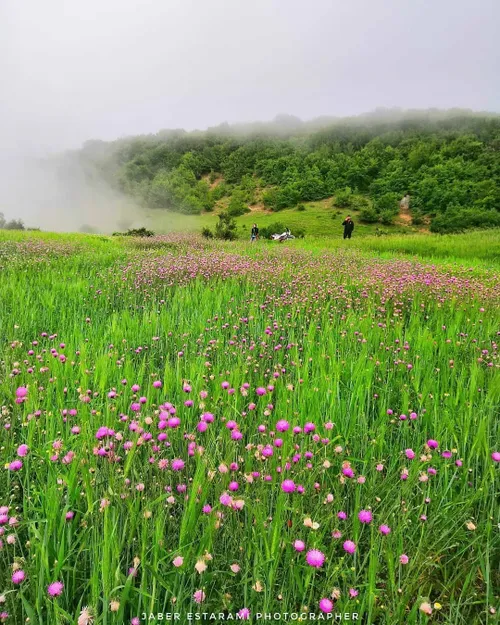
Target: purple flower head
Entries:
(288, 486)
(22, 450)
(21, 392)
(177, 464)
(282, 425)
(18, 576)
(365, 516)
(326, 605)
(315, 558)
(55, 589)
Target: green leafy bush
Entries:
(343, 198)
(417, 217)
(225, 228)
(387, 217)
(368, 215)
(387, 203)
(458, 220)
(136, 232)
(237, 205)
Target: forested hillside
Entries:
(448, 164)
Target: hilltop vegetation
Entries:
(449, 165)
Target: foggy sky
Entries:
(72, 70)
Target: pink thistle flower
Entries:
(326, 605)
(177, 464)
(299, 545)
(288, 486)
(365, 516)
(432, 444)
(199, 596)
(15, 465)
(18, 576)
(225, 499)
(23, 450)
(495, 456)
(315, 558)
(55, 589)
(282, 425)
(244, 614)
(353, 593)
(384, 529)
(178, 561)
(21, 392)
(349, 546)
(403, 558)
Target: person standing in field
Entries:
(255, 233)
(348, 227)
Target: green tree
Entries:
(225, 228)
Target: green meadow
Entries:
(235, 429)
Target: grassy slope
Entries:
(319, 219)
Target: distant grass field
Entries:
(192, 426)
(478, 247)
(319, 219)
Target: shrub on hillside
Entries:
(225, 228)
(457, 220)
(13, 224)
(368, 215)
(343, 198)
(417, 218)
(387, 217)
(237, 205)
(387, 203)
(136, 232)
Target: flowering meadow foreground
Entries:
(231, 430)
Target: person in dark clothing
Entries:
(348, 227)
(255, 233)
